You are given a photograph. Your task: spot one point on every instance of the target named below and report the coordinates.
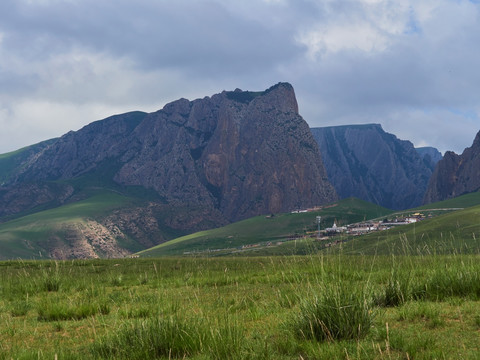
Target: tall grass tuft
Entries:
(397, 291)
(59, 312)
(51, 281)
(459, 281)
(337, 314)
(20, 308)
(225, 340)
(152, 338)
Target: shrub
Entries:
(172, 337)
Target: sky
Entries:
(411, 66)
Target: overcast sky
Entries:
(412, 66)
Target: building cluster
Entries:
(371, 226)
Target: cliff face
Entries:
(430, 155)
(366, 162)
(242, 153)
(455, 175)
(220, 159)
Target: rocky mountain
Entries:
(455, 175)
(366, 162)
(430, 155)
(190, 166)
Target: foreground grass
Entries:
(315, 307)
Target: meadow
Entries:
(318, 306)
(262, 230)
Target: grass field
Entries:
(453, 228)
(265, 229)
(454, 232)
(303, 307)
(26, 237)
(463, 201)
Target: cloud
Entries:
(410, 65)
(366, 26)
(191, 35)
(444, 128)
(424, 67)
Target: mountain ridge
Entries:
(366, 162)
(197, 164)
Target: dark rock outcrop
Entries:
(430, 155)
(227, 157)
(455, 175)
(95, 147)
(366, 162)
(26, 197)
(243, 156)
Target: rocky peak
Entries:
(476, 142)
(79, 152)
(237, 154)
(180, 107)
(430, 155)
(226, 154)
(280, 97)
(455, 175)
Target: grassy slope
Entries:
(26, 237)
(262, 229)
(463, 201)
(457, 231)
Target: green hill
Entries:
(453, 232)
(32, 236)
(454, 228)
(262, 230)
(462, 201)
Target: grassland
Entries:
(453, 232)
(453, 227)
(268, 229)
(311, 307)
(27, 236)
(463, 201)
